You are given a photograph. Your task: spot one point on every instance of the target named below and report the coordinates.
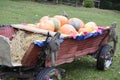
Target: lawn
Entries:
(13, 12)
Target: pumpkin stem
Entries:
(65, 14)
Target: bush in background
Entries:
(88, 3)
(116, 6)
(106, 4)
(22, 0)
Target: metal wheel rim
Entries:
(108, 63)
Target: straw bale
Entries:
(21, 42)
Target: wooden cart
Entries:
(39, 64)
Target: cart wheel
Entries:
(104, 59)
(49, 74)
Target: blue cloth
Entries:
(88, 35)
(5, 26)
(42, 43)
(82, 37)
(95, 34)
(61, 40)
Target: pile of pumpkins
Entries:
(65, 26)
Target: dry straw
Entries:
(21, 42)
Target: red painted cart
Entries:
(36, 63)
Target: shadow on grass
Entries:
(81, 63)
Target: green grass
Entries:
(13, 12)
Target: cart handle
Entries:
(113, 35)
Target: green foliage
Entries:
(106, 4)
(110, 4)
(22, 0)
(68, 0)
(117, 6)
(115, 1)
(88, 3)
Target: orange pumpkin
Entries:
(46, 25)
(75, 21)
(56, 22)
(91, 26)
(83, 30)
(63, 20)
(31, 25)
(67, 29)
(44, 18)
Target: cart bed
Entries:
(69, 49)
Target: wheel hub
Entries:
(108, 63)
